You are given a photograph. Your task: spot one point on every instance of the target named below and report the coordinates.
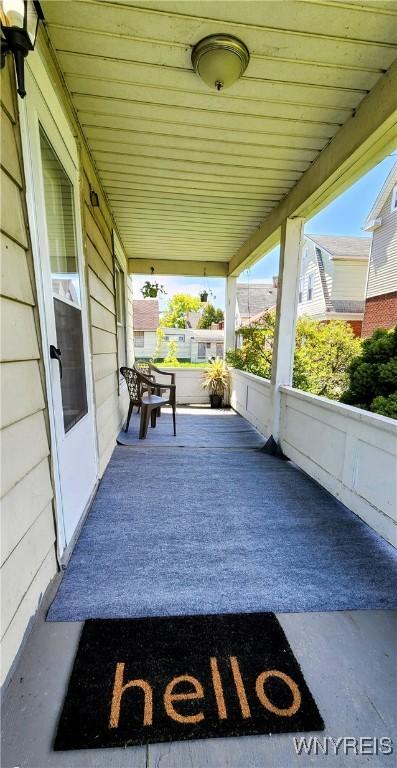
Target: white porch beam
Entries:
(230, 314)
(184, 268)
(292, 233)
(362, 141)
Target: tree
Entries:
(373, 375)
(171, 358)
(255, 354)
(210, 314)
(178, 307)
(322, 355)
(160, 334)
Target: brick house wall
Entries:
(356, 325)
(380, 312)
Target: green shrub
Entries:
(373, 375)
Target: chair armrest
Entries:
(150, 382)
(164, 373)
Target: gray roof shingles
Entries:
(253, 298)
(343, 245)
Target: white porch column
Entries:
(287, 301)
(230, 314)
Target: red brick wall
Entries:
(380, 312)
(356, 326)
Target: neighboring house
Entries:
(253, 299)
(146, 321)
(381, 294)
(192, 344)
(206, 344)
(333, 278)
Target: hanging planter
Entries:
(152, 290)
(204, 297)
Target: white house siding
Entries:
(382, 273)
(28, 560)
(349, 279)
(147, 352)
(316, 307)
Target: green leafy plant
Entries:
(178, 307)
(372, 375)
(160, 334)
(151, 290)
(216, 377)
(323, 353)
(171, 357)
(209, 315)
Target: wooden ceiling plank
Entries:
(167, 100)
(106, 160)
(160, 114)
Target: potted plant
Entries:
(204, 295)
(151, 290)
(216, 379)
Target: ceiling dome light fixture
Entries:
(220, 60)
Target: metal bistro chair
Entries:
(142, 390)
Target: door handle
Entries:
(55, 354)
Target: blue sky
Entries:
(344, 216)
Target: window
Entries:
(219, 349)
(59, 210)
(182, 339)
(394, 199)
(310, 286)
(300, 294)
(120, 316)
(139, 339)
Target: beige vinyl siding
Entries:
(111, 404)
(28, 559)
(349, 279)
(382, 273)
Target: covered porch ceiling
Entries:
(198, 178)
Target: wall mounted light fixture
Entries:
(19, 24)
(94, 199)
(220, 60)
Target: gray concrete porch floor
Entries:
(348, 659)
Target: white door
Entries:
(51, 162)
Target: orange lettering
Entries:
(238, 681)
(170, 697)
(217, 683)
(118, 690)
(260, 692)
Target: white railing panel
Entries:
(250, 396)
(351, 452)
(188, 385)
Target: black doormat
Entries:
(139, 681)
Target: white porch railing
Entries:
(352, 453)
(188, 385)
(250, 396)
